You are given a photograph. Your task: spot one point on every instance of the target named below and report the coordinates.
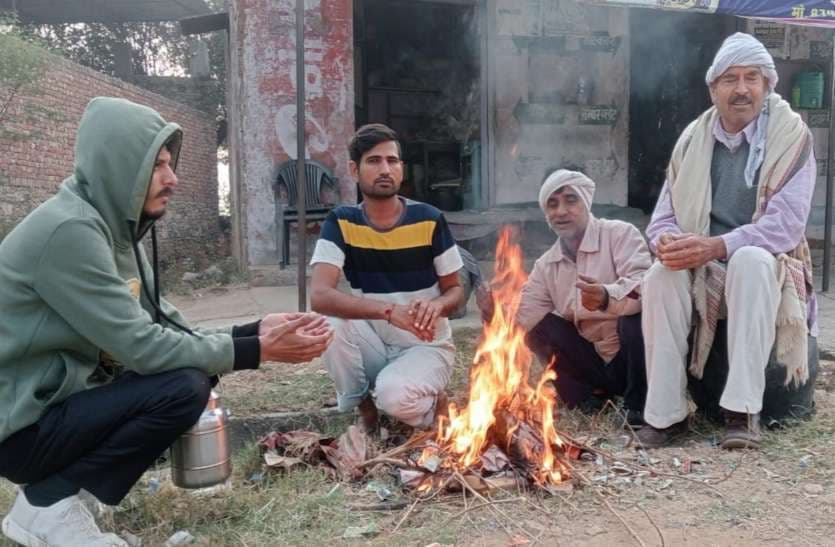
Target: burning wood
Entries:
(503, 408)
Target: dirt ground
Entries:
(690, 494)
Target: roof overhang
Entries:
(104, 11)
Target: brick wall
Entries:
(32, 168)
(198, 93)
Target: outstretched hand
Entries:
(293, 337)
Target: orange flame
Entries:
(500, 374)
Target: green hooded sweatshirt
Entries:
(69, 280)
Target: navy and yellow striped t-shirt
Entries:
(395, 265)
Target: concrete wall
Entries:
(540, 51)
(263, 43)
(33, 165)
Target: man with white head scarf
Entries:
(728, 231)
(581, 304)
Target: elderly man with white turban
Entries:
(728, 231)
(581, 304)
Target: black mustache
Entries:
(741, 100)
(384, 179)
(167, 192)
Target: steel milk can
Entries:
(201, 456)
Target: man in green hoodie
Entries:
(98, 375)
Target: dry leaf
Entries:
(348, 452)
(275, 461)
(494, 460)
(303, 444)
(410, 477)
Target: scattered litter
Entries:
(348, 453)
(381, 489)
(183, 537)
(153, 486)
(274, 461)
(813, 489)
(565, 487)
(342, 456)
(131, 539)
(410, 477)
(806, 461)
(359, 532)
(595, 531)
(494, 460)
(620, 468)
(666, 484)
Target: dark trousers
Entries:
(581, 371)
(103, 439)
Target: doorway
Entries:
(418, 70)
(670, 53)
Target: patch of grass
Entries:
(277, 388)
(299, 508)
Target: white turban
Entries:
(563, 177)
(742, 49)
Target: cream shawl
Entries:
(787, 147)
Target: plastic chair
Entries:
(317, 177)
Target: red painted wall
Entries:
(264, 70)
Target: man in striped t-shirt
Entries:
(392, 336)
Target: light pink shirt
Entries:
(612, 252)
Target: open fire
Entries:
(505, 436)
(503, 409)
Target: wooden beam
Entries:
(204, 23)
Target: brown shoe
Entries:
(741, 430)
(369, 417)
(650, 437)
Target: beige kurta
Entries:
(612, 252)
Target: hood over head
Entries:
(116, 148)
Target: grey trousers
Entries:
(405, 379)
